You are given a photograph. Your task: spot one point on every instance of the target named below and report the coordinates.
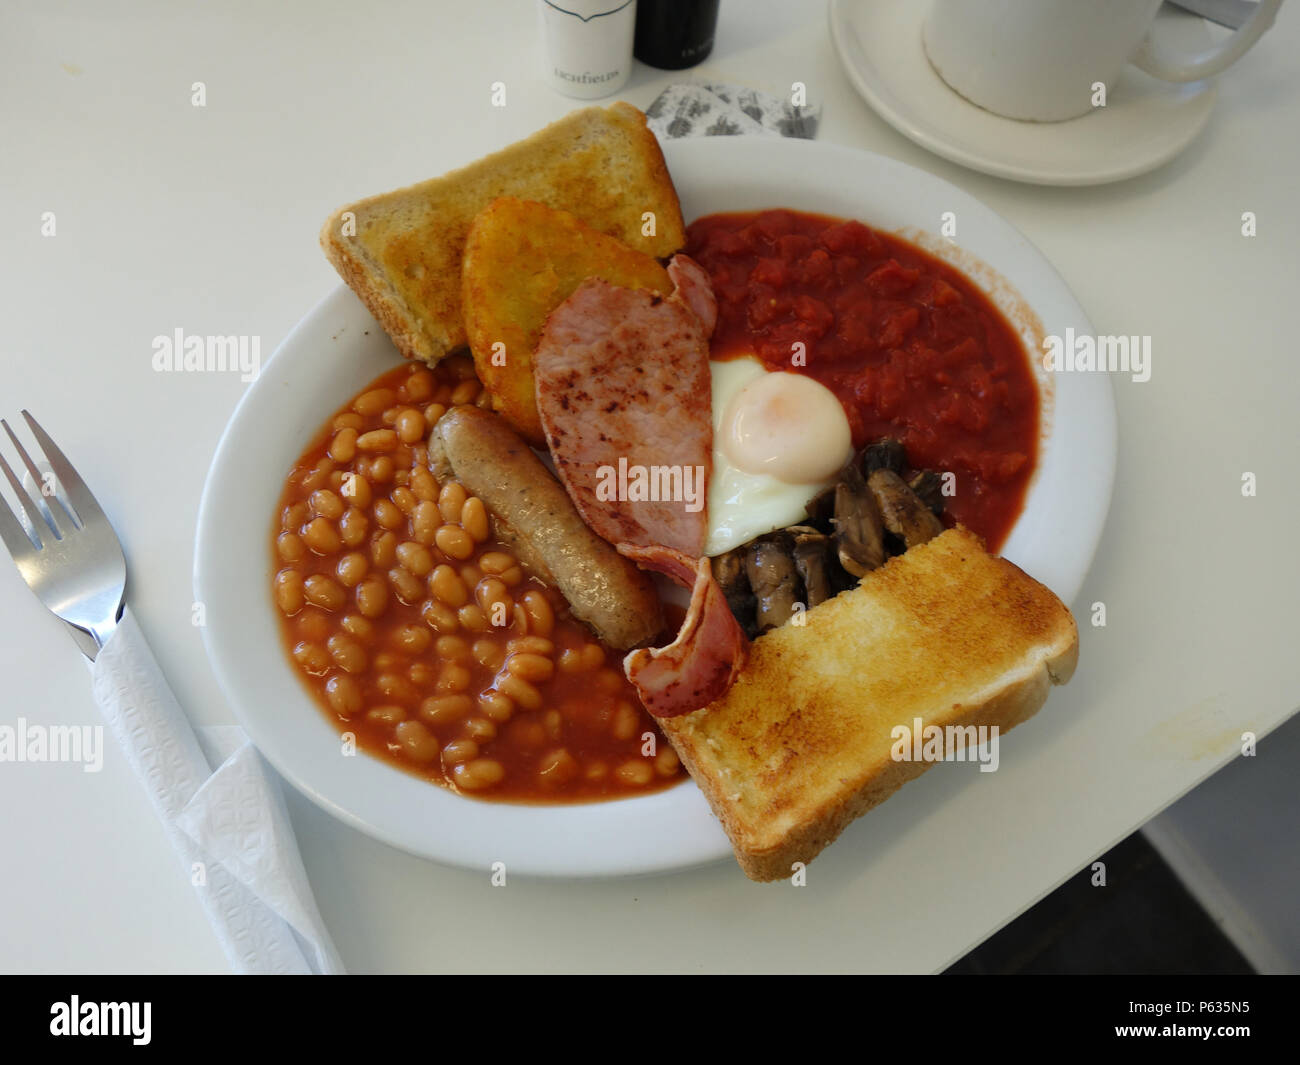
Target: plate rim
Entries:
(709, 844)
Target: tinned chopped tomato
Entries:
(910, 345)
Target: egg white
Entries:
(745, 505)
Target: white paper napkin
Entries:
(229, 827)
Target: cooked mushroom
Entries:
(729, 572)
(928, 485)
(813, 563)
(903, 512)
(859, 542)
(885, 454)
(773, 578)
(852, 526)
(821, 509)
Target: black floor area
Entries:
(1143, 921)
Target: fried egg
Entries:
(778, 439)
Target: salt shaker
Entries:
(587, 45)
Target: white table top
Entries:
(206, 219)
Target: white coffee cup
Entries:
(1044, 59)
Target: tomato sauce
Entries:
(909, 344)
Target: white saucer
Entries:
(1145, 122)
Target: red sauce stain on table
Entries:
(909, 344)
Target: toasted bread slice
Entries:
(401, 252)
(522, 260)
(801, 744)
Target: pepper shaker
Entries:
(675, 34)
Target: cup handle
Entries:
(1169, 66)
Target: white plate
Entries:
(1145, 122)
(337, 348)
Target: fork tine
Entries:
(78, 494)
(20, 545)
(34, 520)
(38, 481)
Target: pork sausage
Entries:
(536, 518)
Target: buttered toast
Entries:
(801, 744)
(401, 252)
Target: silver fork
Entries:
(63, 544)
(70, 557)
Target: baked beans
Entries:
(343, 448)
(372, 596)
(352, 567)
(454, 542)
(419, 632)
(344, 695)
(474, 520)
(353, 527)
(356, 490)
(290, 547)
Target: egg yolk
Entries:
(787, 426)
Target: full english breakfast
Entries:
(807, 433)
